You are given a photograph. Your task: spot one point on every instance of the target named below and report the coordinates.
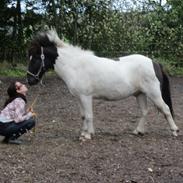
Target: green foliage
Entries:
(171, 67)
(108, 27)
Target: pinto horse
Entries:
(88, 76)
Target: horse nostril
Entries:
(32, 81)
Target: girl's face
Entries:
(21, 88)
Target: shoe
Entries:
(11, 141)
(14, 141)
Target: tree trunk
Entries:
(19, 21)
(61, 20)
(54, 14)
(75, 27)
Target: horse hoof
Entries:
(85, 136)
(82, 139)
(175, 133)
(136, 132)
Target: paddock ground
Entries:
(53, 154)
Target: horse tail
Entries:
(165, 85)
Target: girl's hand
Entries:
(34, 114)
(30, 109)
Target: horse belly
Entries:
(114, 92)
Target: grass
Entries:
(7, 69)
(19, 71)
(12, 72)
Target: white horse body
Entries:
(101, 77)
(88, 76)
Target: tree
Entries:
(109, 27)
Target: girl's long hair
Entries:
(12, 93)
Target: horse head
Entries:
(42, 55)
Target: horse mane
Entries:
(50, 38)
(53, 37)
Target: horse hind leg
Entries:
(163, 107)
(142, 102)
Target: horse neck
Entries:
(69, 60)
(70, 55)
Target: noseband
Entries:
(36, 76)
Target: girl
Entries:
(14, 119)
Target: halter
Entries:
(36, 76)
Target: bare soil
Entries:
(54, 154)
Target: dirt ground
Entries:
(53, 154)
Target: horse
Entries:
(89, 77)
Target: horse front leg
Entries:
(87, 117)
(142, 102)
(84, 127)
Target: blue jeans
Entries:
(12, 130)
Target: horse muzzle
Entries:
(31, 80)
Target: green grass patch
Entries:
(20, 70)
(7, 69)
(12, 72)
